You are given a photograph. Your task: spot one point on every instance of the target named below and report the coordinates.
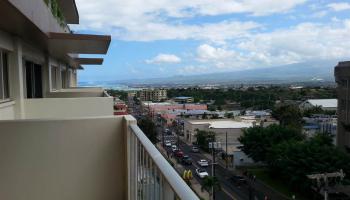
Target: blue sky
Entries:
(160, 38)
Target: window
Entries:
(54, 74)
(33, 80)
(4, 85)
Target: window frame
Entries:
(5, 95)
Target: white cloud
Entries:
(339, 6)
(306, 41)
(148, 20)
(302, 43)
(164, 58)
(207, 53)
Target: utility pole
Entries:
(325, 177)
(226, 156)
(213, 145)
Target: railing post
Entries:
(131, 160)
(168, 192)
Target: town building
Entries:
(156, 108)
(58, 140)
(120, 108)
(324, 104)
(233, 128)
(183, 99)
(153, 95)
(226, 132)
(342, 78)
(320, 124)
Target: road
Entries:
(228, 189)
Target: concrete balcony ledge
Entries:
(67, 107)
(90, 158)
(78, 92)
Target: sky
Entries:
(162, 38)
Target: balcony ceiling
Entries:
(69, 10)
(15, 22)
(59, 45)
(63, 43)
(88, 61)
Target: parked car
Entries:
(203, 163)
(174, 148)
(186, 160)
(201, 173)
(167, 143)
(195, 149)
(238, 180)
(179, 154)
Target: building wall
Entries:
(220, 133)
(19, 52)
(153, 94)
(63, 159)
(342, 78)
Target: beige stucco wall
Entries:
(76, 92)
(68, 107)
(76, 159)
(7, 110)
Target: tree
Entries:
(209, 183)
(205, 115)
(313, 110)
(257, 141)
(203, 139)
(288, 115)
(292, 160)
(215, 116)
(228, 114)
(149, 128)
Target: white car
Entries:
(167, 143)
(174, 148)
(201, 173)
(203, 163)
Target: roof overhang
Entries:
(63, 43)
(16, 23)
(58, 45)
(70, 11)
(88, 61)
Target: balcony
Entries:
(76, 92)
(70, 102)
(84, 158)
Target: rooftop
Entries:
(326, 103)
(223, 123)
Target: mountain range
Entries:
(298, 72)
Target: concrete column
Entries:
(16, 71)
(46, 78)
(59, 77)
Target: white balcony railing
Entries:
(150, 174)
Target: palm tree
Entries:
(211, 184)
